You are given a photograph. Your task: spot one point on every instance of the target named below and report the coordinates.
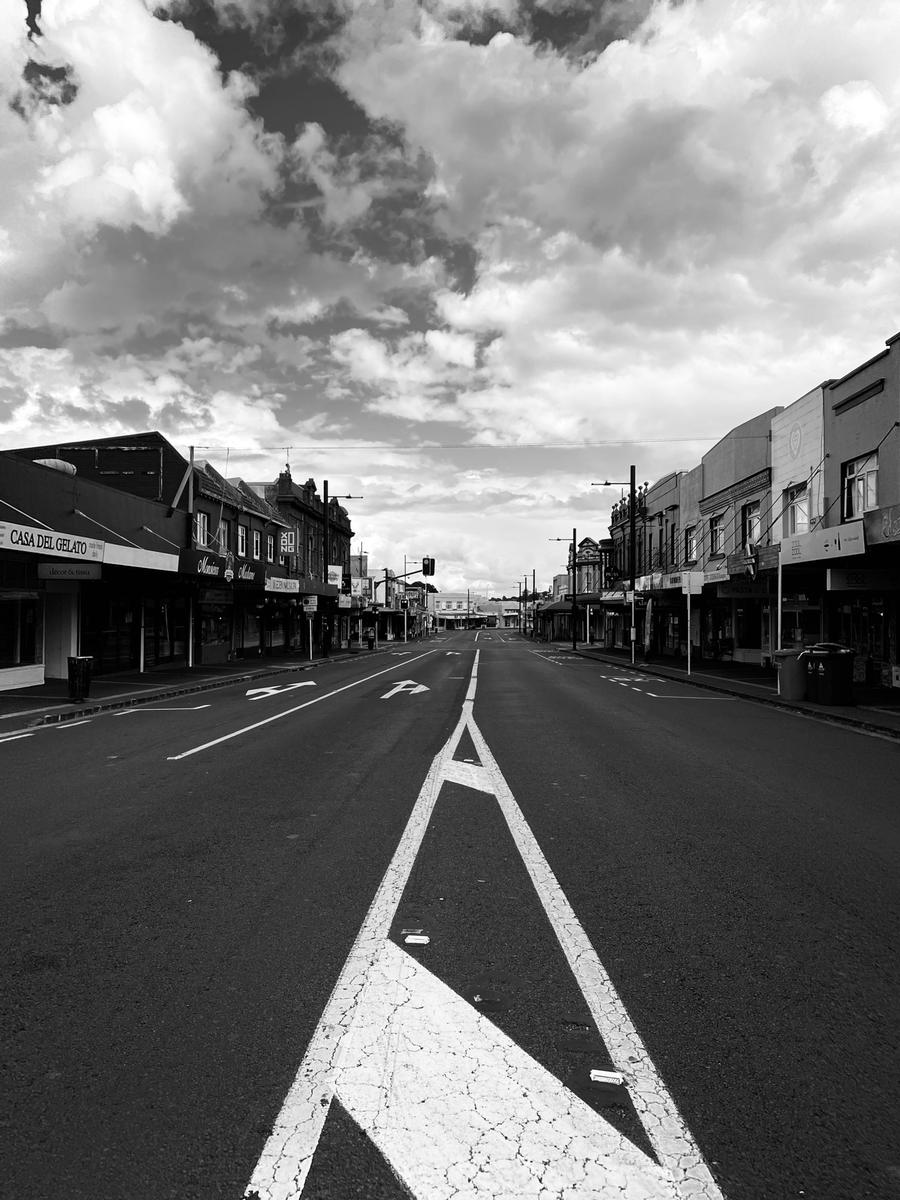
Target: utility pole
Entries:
(574, 613)
(632, 542)
(533, 604)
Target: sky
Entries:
(461, 258)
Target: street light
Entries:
(574, 578)
(632, 539)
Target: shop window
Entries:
(751, 523)
(21, 637)
(795, 506)
(201, 529)
(242, 541)
(257, 544)
(859, 486)
(690, 544)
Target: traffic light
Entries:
(427, 566)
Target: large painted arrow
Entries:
(405, 685)
(276, 689)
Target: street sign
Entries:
(311, 603)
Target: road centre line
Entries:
(288, 712)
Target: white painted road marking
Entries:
(287, 712)
(276, 689)
(405, 685)
(15, 737)
(128, 712)
(454, 1105)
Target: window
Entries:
(859, 491)
(242, 541)
(224, 536)
(270, 547)
(690, 544)
(716, 535)
(673, 544)
(257, 543)
(751, 523)
(201, 528)
(795, 506)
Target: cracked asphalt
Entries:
(175, 929)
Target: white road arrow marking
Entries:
(405, 685)
(276, 689)
(453, 1104)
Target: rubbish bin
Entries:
(834, 672)
(370, 639)
(80, 676)
(791, 674)
(811, 673)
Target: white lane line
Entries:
(288, 712)
(657, 696)
(73, 724)
(454, 1105)
(15, 737)
(145, 708)
(673, 1143)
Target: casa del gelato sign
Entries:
(31, 540)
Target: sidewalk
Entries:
(50, 702)
(874, 709)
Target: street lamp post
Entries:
(574, 617)
(632, 538)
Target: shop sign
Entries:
(719, 575)
(883, 525)
(83, 570)
(276, 584)
(736, 589)
(840, 542)
(335, 574)
(839, 579)
(672, 581)
(344, 601)
(47, 541)
(249, 574)
(202, 564)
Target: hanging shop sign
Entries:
(345, 601)
(69, 571)
(883, 525)
(31, 540)
(841, 541)
(335, 574)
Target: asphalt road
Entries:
(185, 883)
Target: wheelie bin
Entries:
(80, 676)
(834, 673)
(791, 674)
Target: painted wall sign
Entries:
(838, 542)
(47, 541)
(84, 570)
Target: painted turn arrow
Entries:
(405, 685)
(276, 689)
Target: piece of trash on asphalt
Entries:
(616, 1078)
